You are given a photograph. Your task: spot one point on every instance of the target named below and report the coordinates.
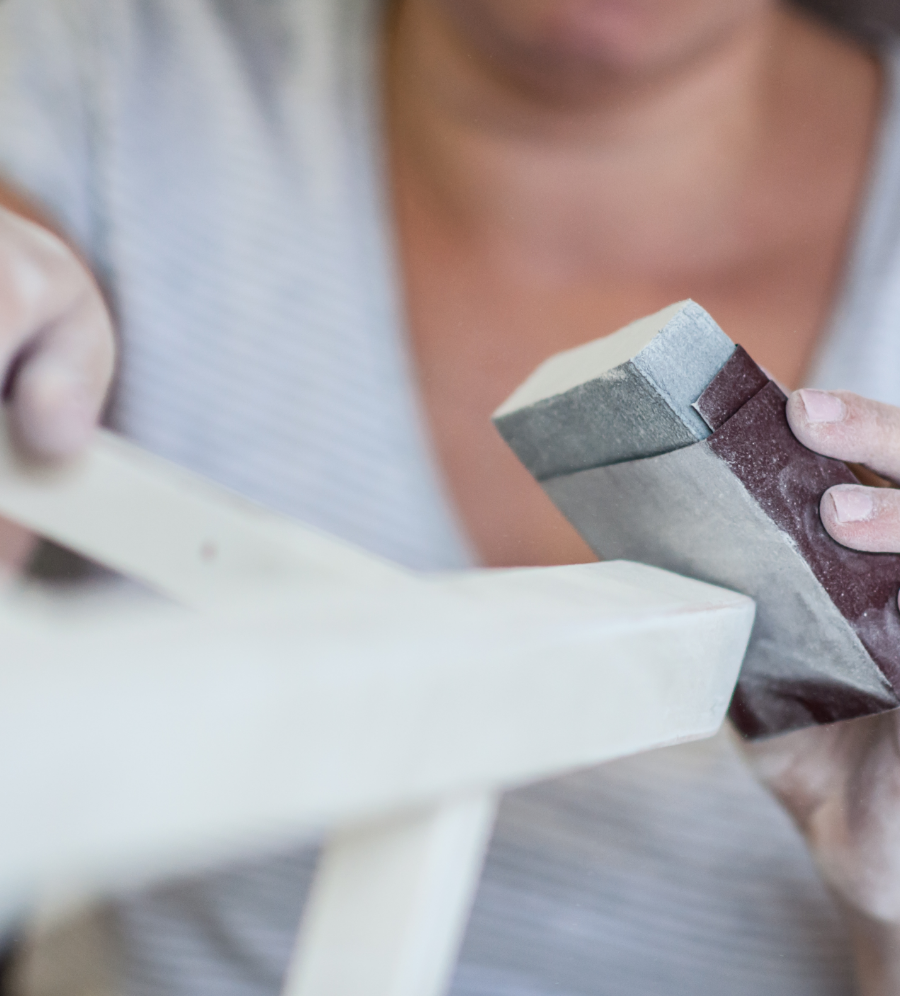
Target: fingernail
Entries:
(821, 406)
(852, 504)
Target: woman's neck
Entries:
(653, 156)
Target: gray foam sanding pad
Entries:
(734, 502)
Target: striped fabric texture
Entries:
(218, 162)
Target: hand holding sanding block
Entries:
(666, 444)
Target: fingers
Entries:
(862, 518)
(845, 426)
(56, 340)
(58, 390)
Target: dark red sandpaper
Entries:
(788, 481)
(732, 387)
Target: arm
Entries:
(841, 783)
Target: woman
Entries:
(335, 236)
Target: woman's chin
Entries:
(619, 31)
(598, 37)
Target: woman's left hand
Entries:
(841, 783)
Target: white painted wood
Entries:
(178, 533)
(149, 739)
(390, 902)
(321, 688)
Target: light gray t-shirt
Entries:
(218, 162)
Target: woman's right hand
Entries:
(56, 353)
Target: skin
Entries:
(558, 168)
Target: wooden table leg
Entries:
(390, 902)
